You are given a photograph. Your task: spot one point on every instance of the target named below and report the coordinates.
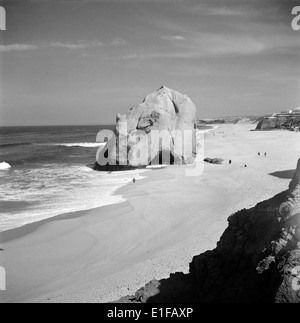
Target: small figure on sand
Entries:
(245, 165)
(258, 154)
(134, 181)
(230, 161)
(265, 154)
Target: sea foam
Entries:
(30, 195)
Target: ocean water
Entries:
(50, 173)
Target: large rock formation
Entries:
(164, 114)
(270, 123)
(257, 259)
(288, 122)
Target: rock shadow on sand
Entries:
(285, 174)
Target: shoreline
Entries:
(30, 227)
(109, 197)
(109, 252)
(19, 232)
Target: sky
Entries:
(82, 62)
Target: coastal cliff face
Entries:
(279, 122)
(257, 260)
(258, 256)
(167, 111)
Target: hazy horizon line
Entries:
(113, 124)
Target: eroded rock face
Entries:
(270, 123)
(164, 114)
(258, 256)
(279, 122)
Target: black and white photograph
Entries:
(150, 154)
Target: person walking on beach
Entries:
(230, 161)
(258, 154)
(134, 180)
(265, 154)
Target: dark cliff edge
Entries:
(257, 259)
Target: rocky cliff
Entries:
(153, 132)
(279, 122)
(257, 259)
(258, 256)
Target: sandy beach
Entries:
(109, 252)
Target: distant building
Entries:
(289, 113)
(297, 110)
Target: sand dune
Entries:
(106, 253)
